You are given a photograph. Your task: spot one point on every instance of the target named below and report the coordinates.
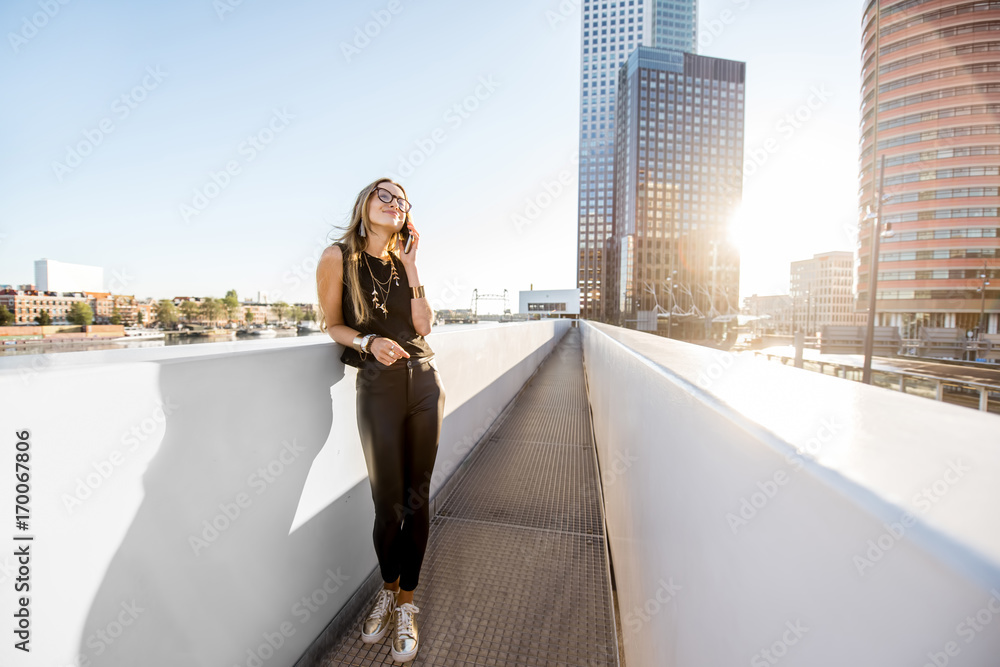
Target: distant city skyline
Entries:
(199, 149)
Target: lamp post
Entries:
(876, 218)
(982, 303)
(808, 311)
(808, 295)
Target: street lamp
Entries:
(673, 302)
(809, 312)
(982, 303)
(877, 232)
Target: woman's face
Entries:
(388, 216)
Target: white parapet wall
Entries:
(763, 515)
(208, 505)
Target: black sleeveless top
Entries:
(397, 325)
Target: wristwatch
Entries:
(366, 342)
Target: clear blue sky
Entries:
(161, 96)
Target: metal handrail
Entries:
(983, 388)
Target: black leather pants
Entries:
(399, 419)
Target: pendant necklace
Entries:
(382, 287)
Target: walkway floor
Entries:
(516, 571)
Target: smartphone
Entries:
(404, 235)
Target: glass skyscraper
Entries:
(678, 180)
(612, 30)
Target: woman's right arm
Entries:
(329, 287)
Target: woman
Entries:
(367, 305)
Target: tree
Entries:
(279, 309)
(116, 317)
(6, 317)
(232, 304)
(166, 313)
(212, 309)
(43, 318)
(189, 310)
(80, 313)
(296, 314)
(138, 318)
(249, 316)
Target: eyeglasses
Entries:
(386, 196)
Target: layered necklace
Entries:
(381, 288)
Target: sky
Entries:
(198, 146)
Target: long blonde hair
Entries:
(355, 245)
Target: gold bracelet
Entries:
(417, 292)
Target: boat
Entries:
(213, 332)
(263, 332)
(137, 333)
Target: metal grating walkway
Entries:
(516, 571)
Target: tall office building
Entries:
(611, 30)
(931, 107)
(678, 180)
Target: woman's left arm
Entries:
(420, 309)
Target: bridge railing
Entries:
(912, 382)
(759, 513)
(209, 504)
